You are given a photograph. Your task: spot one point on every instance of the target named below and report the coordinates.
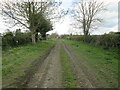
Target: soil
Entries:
(49, 74)
(81, 78)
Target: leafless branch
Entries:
(86, 14)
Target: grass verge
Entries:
(17, 60)
(68, 75)
(105, 62)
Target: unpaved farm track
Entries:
(49, 72)
(81, 78)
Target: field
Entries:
(60, 63)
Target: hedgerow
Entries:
(106, 40)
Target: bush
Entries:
(10, 39)
(107, 40)
(22, 38)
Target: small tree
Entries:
(86, 14)
(22, 37)
(44, 27)
(8, 39)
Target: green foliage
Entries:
(107, 40)
(22, 38)
(45, 26)
(10, 39)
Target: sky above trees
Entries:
(109, 24)
(64, 26)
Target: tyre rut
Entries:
(49, 74)
(81, 78)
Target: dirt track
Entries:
(49, 74)
(81, 78)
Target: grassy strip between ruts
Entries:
(105, 62)
(16, 60)
(68, 75)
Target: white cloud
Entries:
(66, 3)
(62, 28)
(110, 18)
(103, 30)
(2, 25)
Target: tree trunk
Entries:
(86, 32)
(36, 36)
(33, 38)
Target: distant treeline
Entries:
(106, 40)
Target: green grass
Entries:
(105, 62)
(16, 60)
(68, 75)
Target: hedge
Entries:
(107, 40)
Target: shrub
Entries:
(10, 39)
(107, 40)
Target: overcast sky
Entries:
(110, 17)
(109, 24)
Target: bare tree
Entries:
(86, 14)
(26, 14)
